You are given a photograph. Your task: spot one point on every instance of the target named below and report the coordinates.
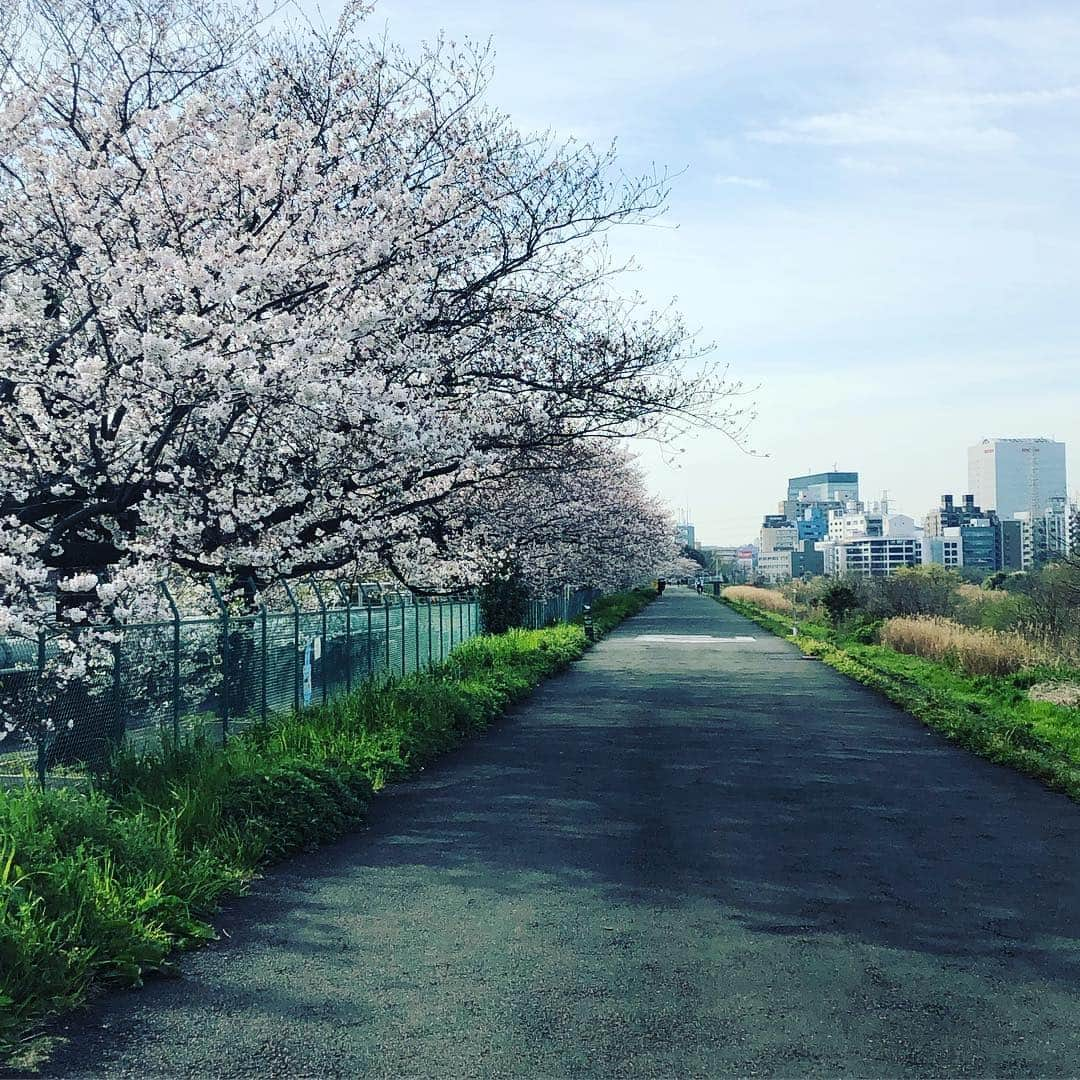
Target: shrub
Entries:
(838, 600)
(504, 604)
(975, 651)
(862, 629)
(768, 599)
(915, 590)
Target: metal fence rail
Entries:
(218, 674)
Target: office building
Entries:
(872, 545)
(1014, 543)
(946, 548)
(826, 487)
(776, 545)
(811, 497)
(1013, 476)
(949, 515)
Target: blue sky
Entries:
(876, 219)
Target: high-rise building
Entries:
(811, 497)
(684, 534)
(1013, 476)
(825, 487)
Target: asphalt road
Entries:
(680, 858)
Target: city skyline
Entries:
(869, 493)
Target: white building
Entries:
(1014, 476)
(774, 566)
(853, 521)
(893, 543)
(776, 545)
(947, 548)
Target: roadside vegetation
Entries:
(769, 599)
(994, 667)
(102, 886)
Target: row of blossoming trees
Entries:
(275, 303)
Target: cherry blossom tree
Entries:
(282, 303)
(266, 300)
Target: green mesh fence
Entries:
(217, 675)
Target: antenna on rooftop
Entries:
(885, 502)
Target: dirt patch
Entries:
(1057, 693)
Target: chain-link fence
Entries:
(216, 674)
(562, 607)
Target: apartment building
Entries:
(870, 544)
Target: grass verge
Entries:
(990, 715)
(102, 887)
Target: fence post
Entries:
(225, 695)
(370, 651)
(175, 662)
(322, 647)
(416, 635)
(297, 675)
(346, 595)
(404, 647)
(119, 724)
(442, 640)
(39, 705)
(265, 658)
(430, 658)
(386, 622)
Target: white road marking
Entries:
(691, 639)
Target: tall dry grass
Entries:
(975, 651)
(976, 594)
(762, 598)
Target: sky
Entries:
(874, 220)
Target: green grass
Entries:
(990, 715)
(102, 887)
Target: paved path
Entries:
(678, 859)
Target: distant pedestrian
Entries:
(661, 585)
(700, 588)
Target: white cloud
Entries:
(1009, 99)
(744, 181)
(868, 166)
(891, 125)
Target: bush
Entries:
(504, 604)
(862, 629)
(839, 600)
(916, 590)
